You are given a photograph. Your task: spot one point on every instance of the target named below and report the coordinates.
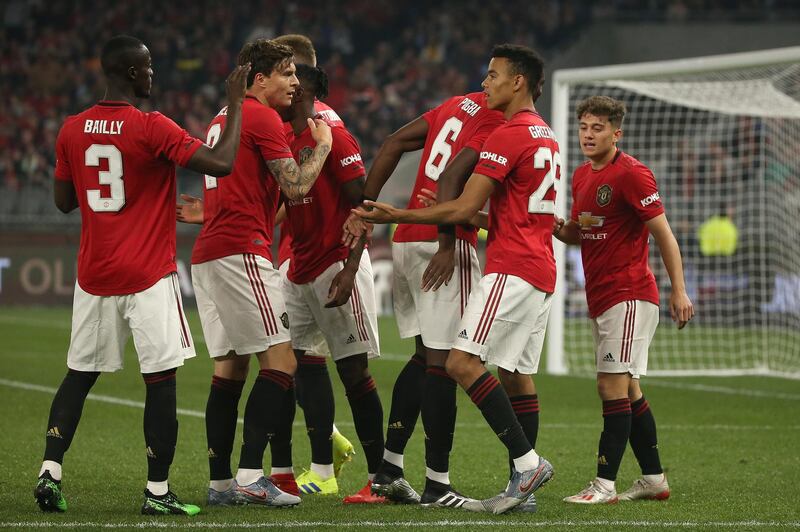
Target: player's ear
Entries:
(131, 72)
(617, 135)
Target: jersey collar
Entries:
(114, 103)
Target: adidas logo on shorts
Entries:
(463, 334)
(350, 339)
(608, 358)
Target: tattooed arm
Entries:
(296, 180)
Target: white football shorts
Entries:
(435, 315)
(241, 304)
(320, 348)
(622, 336)
(101, 326)
(349, 329)
(504, 323)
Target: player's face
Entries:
(143, 74)
(499, 83)
(597, 135)
(281, 86)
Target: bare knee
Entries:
(612, 386)
(280, 358)
(232, 366)
(516, 383)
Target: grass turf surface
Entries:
(729, 446)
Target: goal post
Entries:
(722, 136)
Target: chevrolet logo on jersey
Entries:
(586, 220)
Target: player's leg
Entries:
(521, 392)
(644, 439)
(222, 412)
(351, 331)
(163, 341)
(213, 292)
(317, 399)
(95, 322)
(407, 391)
(621, 336)
(440, 314)
(497, 324)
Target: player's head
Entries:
(272, 71)
(313, 85)
(126, 61)
(599, 125)
(302, 47)
(514, 70)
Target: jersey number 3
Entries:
(545, 158)
(111, 177)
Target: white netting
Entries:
(719, 143)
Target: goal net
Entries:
(722, 136)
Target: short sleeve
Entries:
(430, 115)
(486, 124)
(169, 140)
(574, 208)
(345, 157)
(63, 170)
(641, 193)
(269, 134)
(498, 155)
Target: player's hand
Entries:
(378, 213)
(680, 308)
(427, 197)
(320, 131)
(440, 269)
(353, 229)
(236, 84)
(191, 211)
(558, 223)
(341, 288)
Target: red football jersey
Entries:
(121, 162)
(460, 122)
(325, 112)
(524, 158)
(316, 220)
(240, 208)
(611, 205)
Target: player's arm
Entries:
(481, 219)
(680, 306)
(568, 232)
(410, 137)
(296, 180)
(218, 160)
(191, 211)
(451, 182)
(64, 196)
(342, 284)
(458, 211)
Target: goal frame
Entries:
(556, 363)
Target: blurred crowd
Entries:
(387, 61)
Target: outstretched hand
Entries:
(427, 197)
(353, 229)
(379, 213)
(191, 211)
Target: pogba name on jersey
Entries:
(105, 127)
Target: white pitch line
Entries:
(748, 392)
(445, 523)
(568, 426)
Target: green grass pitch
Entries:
(730, 447)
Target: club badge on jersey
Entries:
(603, 195)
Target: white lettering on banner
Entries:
(37, 277)
(470, 107)
(329, 115)
(356, 157)
(5, 262)
(541, 132)
(649, 200)
(499, 159)
(104, 127)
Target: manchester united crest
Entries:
(285, 320)
(604, 195)
(305, 153)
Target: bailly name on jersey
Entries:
(105, 127)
